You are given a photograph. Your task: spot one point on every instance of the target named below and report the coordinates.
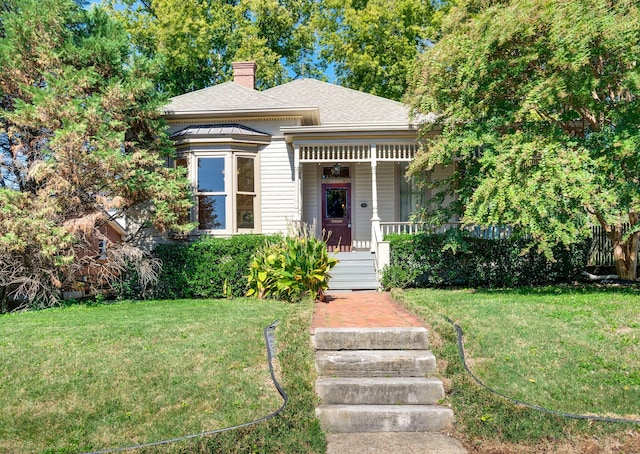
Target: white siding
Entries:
(387, 191)
(361, 232)
(277, 187)
(311, 196)
(387, 188)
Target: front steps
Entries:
(354, 271)
(375, 363)
(376, 380)
(377, 390)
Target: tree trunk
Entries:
(625, 253)
(4, 303)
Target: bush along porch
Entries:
(456, 259)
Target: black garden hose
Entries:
(460, 336)
(269, 337)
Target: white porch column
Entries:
(297, 175)
(375, 218)
(378, 246)
(374, 184)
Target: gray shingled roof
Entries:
(339, 105)
(228, 96)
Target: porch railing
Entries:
(493, 232)
(380, 248)
(601, 252)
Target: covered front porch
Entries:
(349, 189)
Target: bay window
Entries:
(222, 165)
(225, 190)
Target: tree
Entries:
(81, 144)
(373, 43)
(199, 39)
(538, 109)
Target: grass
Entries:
(574, 350)
(88, 378)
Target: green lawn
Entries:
(574, 350)
(88, 378)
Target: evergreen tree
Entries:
(81, 145)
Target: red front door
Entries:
(336, 215)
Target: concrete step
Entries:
(393, 442)
(372, 338)
(375, 363)
(353, 285)
(384, 418)
(380, 391)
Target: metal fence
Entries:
(600, 254)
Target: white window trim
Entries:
(230, 189)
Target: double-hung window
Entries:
(212, 193)
(412, 197)
(222, 162)
(225, 192)
(245, 192)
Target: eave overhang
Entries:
(352, 131)
(307, 115)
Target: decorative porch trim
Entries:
(333, 153)
(396, 152)
(357, 152)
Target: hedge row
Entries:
(457, 259)
(209, 268)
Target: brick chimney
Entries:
(244, 73)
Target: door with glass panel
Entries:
(336, 215)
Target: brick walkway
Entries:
(361, 310)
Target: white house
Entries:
(303, 151)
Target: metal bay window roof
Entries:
(225, 131)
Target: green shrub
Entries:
(400, 276)
(295, 266)
(208, 268)
(456, 258)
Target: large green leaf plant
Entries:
(289, 269)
